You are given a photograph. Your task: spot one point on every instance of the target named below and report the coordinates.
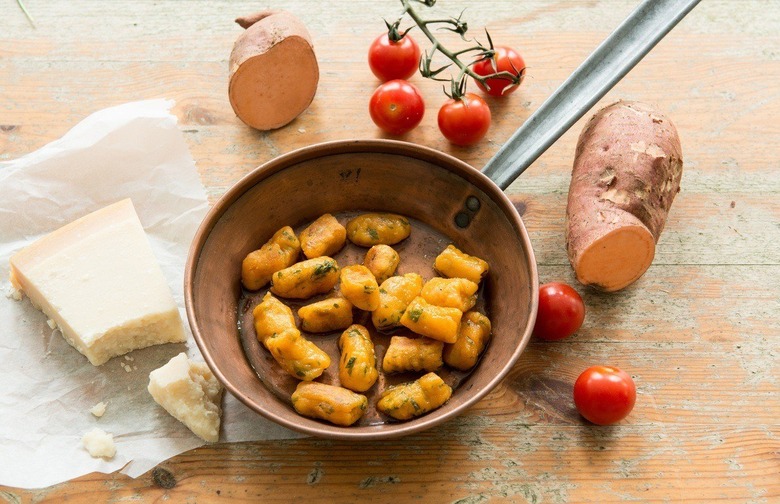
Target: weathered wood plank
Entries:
(472, 460)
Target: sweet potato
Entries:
(273, 70)
(627, 170)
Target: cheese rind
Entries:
(97, 279)
(190, 393)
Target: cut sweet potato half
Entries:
(273, 70)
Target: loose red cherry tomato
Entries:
(505, 59)
(604, 395)
(393, 60)
(396, 106)
(561, 311)
(464, 121)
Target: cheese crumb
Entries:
(13, 293)
(52, 324)
(190, 392)
(99, 409)
(99, 444)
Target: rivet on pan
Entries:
(462, 219)
(473, 203)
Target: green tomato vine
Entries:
(472, 54)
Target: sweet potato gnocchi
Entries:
(437, 322)
(473, 337)
(448, 331)
(277, 253)
(454, 263)
(298, 356)
(382, 261)
(412, 354)
(416, 398)
(357, 366)
(395, 294)
(323, 237)
(276, 330)
(359, 286)
(450, 292)
(330, 314)
(306, 279)
(372, 229)
(328, 402)
(271, 317)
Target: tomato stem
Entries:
(456, 25)
(392, 31)
(26, 13)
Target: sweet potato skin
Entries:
(250, 19)
(627, 170)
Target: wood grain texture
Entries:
(697, 332)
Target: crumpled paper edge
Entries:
(239, 423)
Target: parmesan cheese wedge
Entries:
(98, 281)
(190, 393)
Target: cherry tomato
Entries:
(464, 121)
(393, 60)
(505, 59)
(561, 311)
(396, 106)
(604, 395)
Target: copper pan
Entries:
(448, 201)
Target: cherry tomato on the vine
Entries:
(561, 311)
(505, 59)
(390, 60)
(464, 121)
(604, 394)
(396, 106)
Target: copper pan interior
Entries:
(342, 177)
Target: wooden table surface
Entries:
(698, 332)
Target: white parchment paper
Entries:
(133, 150)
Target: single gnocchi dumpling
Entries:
(437, 322)
(271, 316)
(357, 366)
(334, 404)
(452, 292)
(327, 315)
(323, 237)
(454, 263)
(472, 339)
(372, 229)
(416, 398)
(279, 252)
(298, 356)
(395, 294)
(382, 260)
(359, 286)
(275, 328)
(412, 354)
(307, 278)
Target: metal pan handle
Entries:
(609, 63)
